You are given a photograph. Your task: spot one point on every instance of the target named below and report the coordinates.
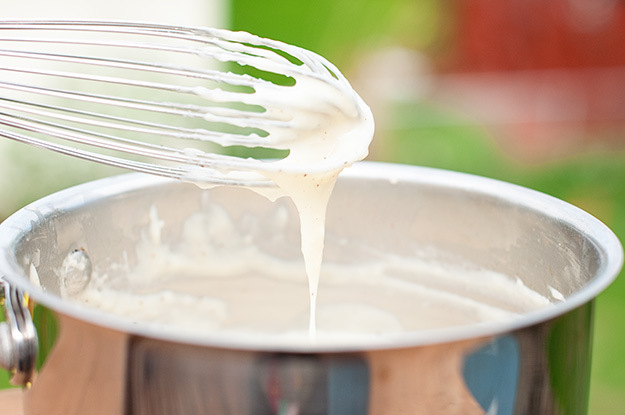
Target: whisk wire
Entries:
(86, 87)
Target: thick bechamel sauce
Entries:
(218, 280)
(241, 290)
(332, 128)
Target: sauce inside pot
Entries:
(216, 279)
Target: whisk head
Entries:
(189, 103)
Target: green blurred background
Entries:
(526, 91)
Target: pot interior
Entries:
(394, 236)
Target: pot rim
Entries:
(601, 236)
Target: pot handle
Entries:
(18, 336)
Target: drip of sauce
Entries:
(331, 129)
(310, 194)
(311, 191)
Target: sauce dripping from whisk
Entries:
(310, 194)
(334, 130)
(341, 141)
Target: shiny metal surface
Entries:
(18, 336)
(538, 364)
(541, 369)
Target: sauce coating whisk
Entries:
(181, 102)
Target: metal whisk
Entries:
(174, 101)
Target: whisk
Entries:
(207, 104)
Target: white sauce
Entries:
(310, 194)
(331, 128)
(218, 281)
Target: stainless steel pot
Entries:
(83, 361)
